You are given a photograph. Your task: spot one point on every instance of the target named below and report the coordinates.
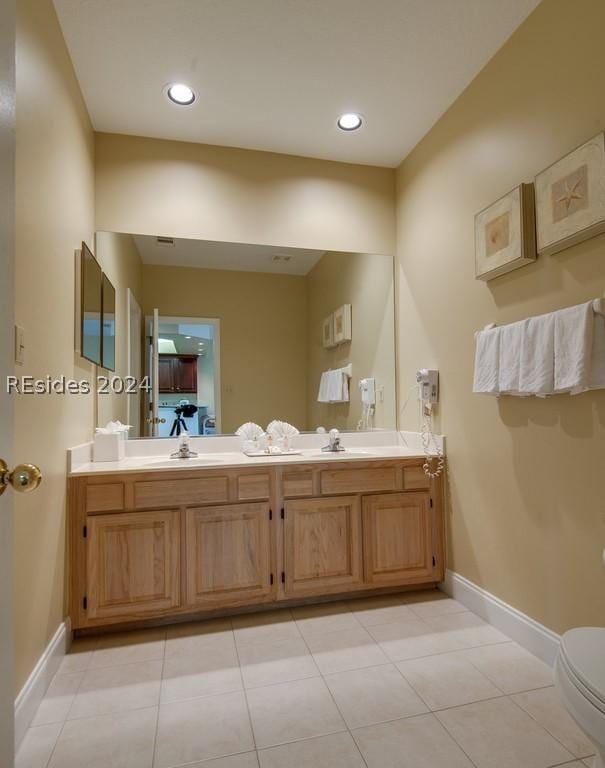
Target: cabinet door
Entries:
(397, 538)
(132, 563)
(165, 374)
(228, 554)
(322, 545)
(185, 374)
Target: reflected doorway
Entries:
(188, 387)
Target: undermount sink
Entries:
(343, 454)
(183, 463)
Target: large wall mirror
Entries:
(251, 333)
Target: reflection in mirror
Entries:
(255, 333)
(90, 310)
(108, 344)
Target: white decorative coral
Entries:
(250, 431)
(281, 429)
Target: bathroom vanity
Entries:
(155, 539)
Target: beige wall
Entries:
(526, 517)
(155, 187)
(366, 282)
(55, 212)
(263, 333)
(120, 260)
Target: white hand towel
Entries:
(573, 348)
(487, 353)
(509, 357)
(537, 366)
(597, 362)
(323, 394)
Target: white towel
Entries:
(573, 348)
(338, 386)
(486, 361)
(597, 361)
(537, 365)
(323, 394)
(334, 386)
(511, 337)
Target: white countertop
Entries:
(154, 455)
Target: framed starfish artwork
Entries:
(570, 198)
(505, 234)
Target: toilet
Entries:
(580, 678)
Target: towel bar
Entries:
(598, 306)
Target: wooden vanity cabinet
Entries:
(397, 538)
(228, 552)
(132, 564)
(158, 545)
(322, 552)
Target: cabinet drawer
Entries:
(414, 479)
(361, 480)
(298, 483)
(256, 486)
(105, 497)
(158, 493)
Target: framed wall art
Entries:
(327, 332)
(570, 198)
(342, 324)
(505, 234)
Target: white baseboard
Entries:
(533, 636)
(29, 697)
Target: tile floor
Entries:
(406, 681)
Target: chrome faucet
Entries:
(184, 451)
(334, 445)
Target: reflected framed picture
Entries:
(342, 324)
(91, 302)
(505, 234)
(108, 341)
(570, 198)
(327, 332)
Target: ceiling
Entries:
(275, 74)
(208, 254)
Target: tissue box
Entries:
(108, 447)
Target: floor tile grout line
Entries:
(482, 674)
(157, 717)
(544, 728)
(241, 674)
(342, 717)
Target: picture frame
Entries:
(342, 324)
(327, 332)
(505, 234)
(570, 198)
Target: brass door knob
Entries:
(23, 478)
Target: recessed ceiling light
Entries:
(181, 94)
(187, 337)
(350, 121)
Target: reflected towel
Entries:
(323, 394)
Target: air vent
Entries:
(281, 257)
(165, 241)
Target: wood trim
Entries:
(105, 498)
